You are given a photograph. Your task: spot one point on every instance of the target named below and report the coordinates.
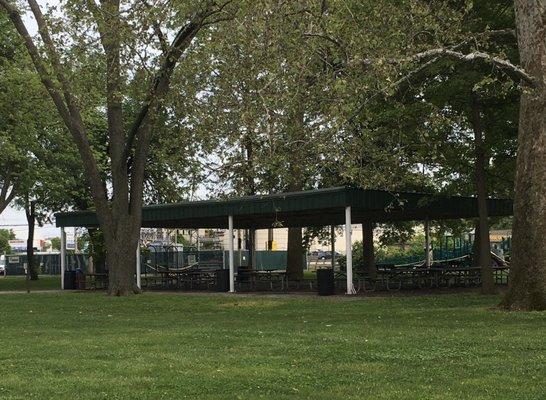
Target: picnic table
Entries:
(390, 277)
(96, 281)
(187, 278)
(255, 278)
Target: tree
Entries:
(5, 236)
(124, 34)
(273, 89)
(56, 243)
(473, 119)
(264, 88)
(527, 285)
(16, 130)
(528, 270)
(527, 289)
(24, 112)
(39, 163)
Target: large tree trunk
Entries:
(294, 262)
(30, 211)
(295, 178)
(476, 245)
(249, 190)
(97, 250)
(484, 249)
(527, 280)
(121, 278)
(250, 245)
(121, 259)
(368, 250)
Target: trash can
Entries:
(70, 280)
(222, 280)
(243, 274)
(325, 282)
(80, 280)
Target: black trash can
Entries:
(222, 280)
(80, 279)
(243, 274)
(325, 282)
(70, 280)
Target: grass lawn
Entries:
(19, 283)
(171, 346)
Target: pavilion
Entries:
(311, 208)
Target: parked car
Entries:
(316, 254)
(327, 255)
(323, 255)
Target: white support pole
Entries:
(349, 251)
(427, 243)
(231, 256)
(63, 256)
(138, 272)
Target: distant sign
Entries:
(18, 245)
(13, 260)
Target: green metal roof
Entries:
(307, 208)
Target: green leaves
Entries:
(37, 159)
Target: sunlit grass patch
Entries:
(256, 303)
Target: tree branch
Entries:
(5, 197)
(162, 78)
(140, 131)
(513, 70)
(53, 57)
(435, 55)
(37, 59)
(110, 34)
(6, 184)
(497, 33)
(330, 39)
(157, 31)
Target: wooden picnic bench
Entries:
(96, 281)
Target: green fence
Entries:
(47, 264)
(50, 264)
(213, 260)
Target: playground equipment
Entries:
(170, 256)
(450, 250)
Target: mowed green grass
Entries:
(172, 346)
(19, 283)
